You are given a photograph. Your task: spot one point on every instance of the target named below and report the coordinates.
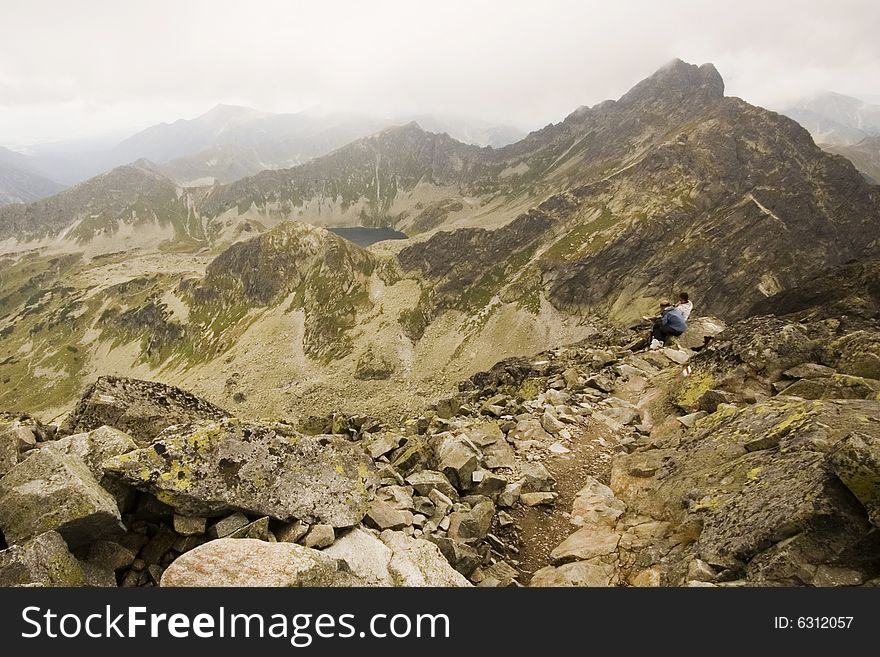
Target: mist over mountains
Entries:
(224, 144)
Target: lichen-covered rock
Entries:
(838, 386)
(50, 490)
(856, 461)
(262, 468)
(94, 448)
(250, 562)
(140, 408)
(757, 485)
(44, 560)
(856, 353)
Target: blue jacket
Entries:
(673, 318)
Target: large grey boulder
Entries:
(251, 562)
(856, 461)
(50, 490)
(366, 556)
(416, 562)
(394, 559)
(94, 448)
(140, 408)
(263, 468)
(43, 560)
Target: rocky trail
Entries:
(751, 461)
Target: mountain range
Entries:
(843, 125)
(224, 144)
(238, 292)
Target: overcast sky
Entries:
(71, 69)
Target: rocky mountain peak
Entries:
(678, 82)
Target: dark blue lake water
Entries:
(366, 236)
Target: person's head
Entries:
(682, 297)
(664, 303)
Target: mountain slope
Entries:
(132, 200)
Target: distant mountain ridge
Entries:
(21, 181)
(229, 142)
(836, 119)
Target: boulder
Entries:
(94, 448)
(578, 573)
(536, 478)
(857, 353)
(538, 499)
(856, 461)
(366, 556)
(809, 371)
(529, 429)
(19, 432)
(110, 555)
(382, 443)
(499, 454)
(400, 497)
(190, 525)
(319, 536)
(457, 460)
(550, 423)
(586, 543)
(44, 560)
(249, 562)
(382, 515)
(258, 529)
(417, 562)
(50, 490)
(230, 524)
(839, 386)
(140, 408)
(595, 503)
(262, 468)
(458, 554)
(473, 524)
(699, 331)
(510, 495)
(758, 481)
(425, 481)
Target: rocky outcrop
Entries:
(41, 561)
(142, 409)
(50, 490)
(262, 468)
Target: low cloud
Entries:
(70, 69)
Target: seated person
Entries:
(685, 305)
(670, 323)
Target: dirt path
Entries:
(538, 530)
